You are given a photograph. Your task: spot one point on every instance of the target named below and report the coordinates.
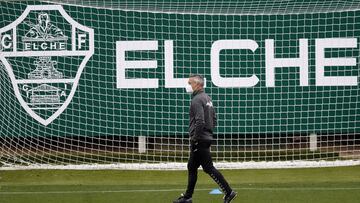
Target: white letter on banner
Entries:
(170, 81)
(6, 46)
(321, 61)
(122, 64)
(216, 48)
(81, 40)
(271, 62)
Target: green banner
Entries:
(243, 57)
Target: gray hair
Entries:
(198, 79)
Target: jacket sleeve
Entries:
(214, 118)
(199, 117)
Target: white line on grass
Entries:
(180, 190)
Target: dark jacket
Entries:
(202, 117)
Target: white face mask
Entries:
(189, 89)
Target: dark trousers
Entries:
(200, 155)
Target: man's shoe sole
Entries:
(233, 198)
(188, 201)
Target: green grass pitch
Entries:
(318, 185)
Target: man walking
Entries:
(202, 123)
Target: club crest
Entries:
(44, 52)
